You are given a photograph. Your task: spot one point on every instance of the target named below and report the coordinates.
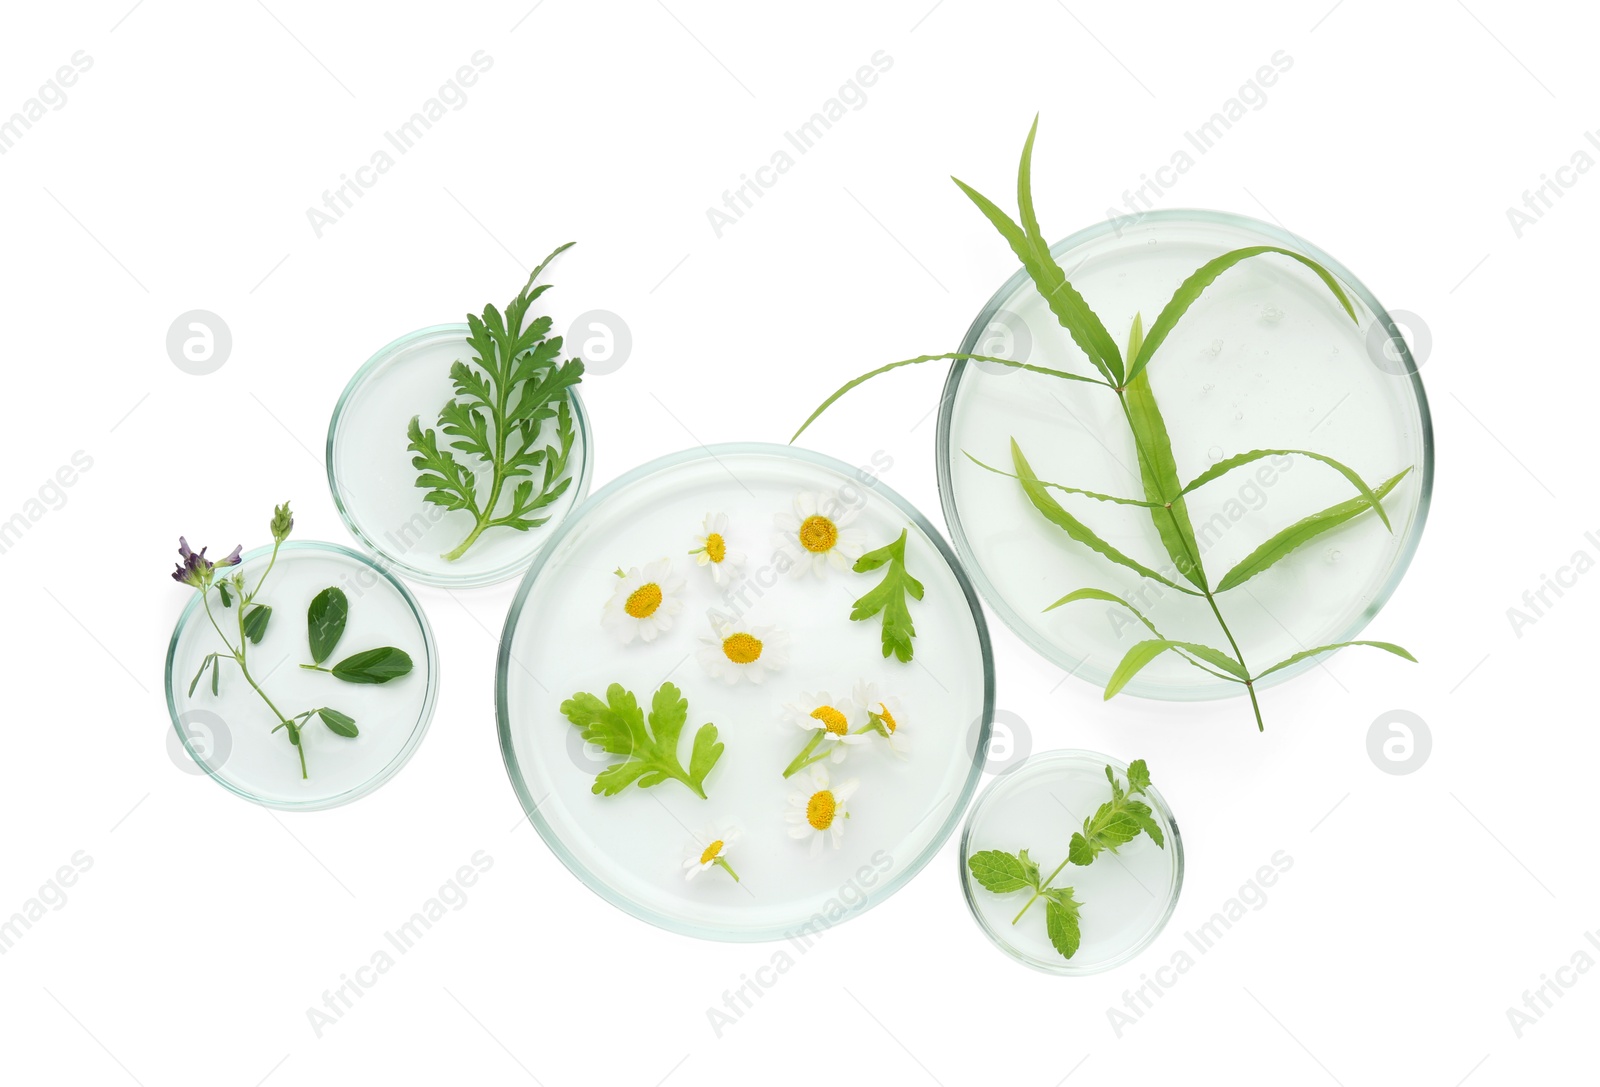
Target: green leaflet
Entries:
(325, 620)
(1039, 495)
(1158, 470)
(1388, 647)
(1002, 872)
(1111, 598)
(1065, 489)
(341, 724)
(1222, 467)
(373, 665)
(868, 376)
(1061, 921)
(1119, 820)
(255, 622)
(1301, 533)
(889, 597)
(1191, 289)
(650, 755)
(1145, 652)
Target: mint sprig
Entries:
(1003, 873)
(1119, 820)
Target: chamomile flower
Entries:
(817, 535)
(712, 551)
(735, 652)
(710, 848)
(884, 716)
(832, 725)
(817, 808)
(643, 603)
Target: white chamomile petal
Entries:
(818, 808)
(710, 848)
(643, 603)
(733, 652)
(815, 537)
(711, 550)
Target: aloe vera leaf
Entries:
(1301, 533)
(869, 375)
(1145, 652)
(1222, 467)
(1388, 647)
(1039, 495)
(1191, 289)
(1111, 598)
(1159, 470)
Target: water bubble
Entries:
(1215, 349)
(1334, 554)
(1207, 387)
(1238, 415)
(1271, 314)
(1215, 452)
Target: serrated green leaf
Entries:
(1061, 921)
(1030, 868)
(255, 622)
(889, 597)
(1146, 651)
(339, 723)
(650, 755)
(1302, 532)
(999, 872)
(1223, 467)
(1191, 289)
(325, 621)
(1081, 850)
(379, 665)
(1077, 530)
(1388, 647)
(1138, 776)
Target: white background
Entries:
(177, 176)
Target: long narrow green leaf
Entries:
(1064, 301)
(1222, 467)
(1302, 532)
(868, 376)
(1039, 495)
(1061, 486)
(1111, 598)
(1388, 647)
(1055, 280)
(1145, 652)
(1191, 289)
(1158, 470)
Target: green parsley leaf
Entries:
(890, 597)
(650, 755)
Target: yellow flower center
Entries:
(820, 809)
(887, 718)
(741, 648)
(818, 534)
(831, 719)
(716, 547)
(643, 601)
(712, 852)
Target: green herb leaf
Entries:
(1061, 921)
(889, 597)
(1144, 652)
(205, 663)
(222, 591)
(339, 723)
(1119, 820)
(1045, 504)
(869, 375)
(1138, 776)
(617, 726)
(514, 385)
(1302, 532)
(1112, 598)
(374, 665)
(255, 622)
(1065, 489)
(1191, 289)
(1002, 872)
(1388, 647)
(1223, 467)
(325, 620)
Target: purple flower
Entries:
(195, 569)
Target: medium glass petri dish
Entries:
(1126, 898)
(631, 848)
(230, 734)
(374, 483)
(1265, 359)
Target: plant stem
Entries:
(802, 760)
(244, 668)
(316, 668)
(726, 867)
(1043, 887)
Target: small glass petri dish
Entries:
(630, 848)
(230, 733)
(374, 483)
(1126, 898)
(1265, 359)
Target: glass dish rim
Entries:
(1066, 968)
(1011, 617)
(418, 731)
(502, 667)
(506, 572)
